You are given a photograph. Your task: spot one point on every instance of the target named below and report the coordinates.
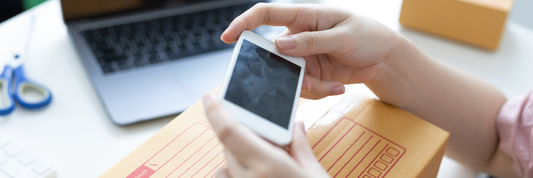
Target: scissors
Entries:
(14, 86)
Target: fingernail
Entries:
(338, 90)
(221, 36)
(229, 26)
(285, 42)
(306, 86)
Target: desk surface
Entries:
(76, 136)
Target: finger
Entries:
(260, 14)
(223, 173)
(245, 145)
(320, 88)
(302, 152)
(234, 166)
(306, 84)
(300, 149)
(302, 17)
(303, 95)
(284, 33)
(310, 43)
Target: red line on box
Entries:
(171, 142)
(141, 172)
(207, 163)
(390, 158)
(182, 149)
(375, 171)
(329, 132)
(394, 150)
(214, 169)
(337, 143)
(366, 129)
(199, 159)
(364, 157)
(374, 159)
(381, 136)
(191, 155)
(380, 162)
(403, 153)
(213, 176)
(354, 156)
(346, 150)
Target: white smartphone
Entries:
(262, 87)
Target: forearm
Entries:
(458, 102)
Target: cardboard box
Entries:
(365, 138)
(476, 22)
(369, 139)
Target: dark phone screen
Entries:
(264, 83)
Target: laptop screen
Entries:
(75, 9)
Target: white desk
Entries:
(76, 136)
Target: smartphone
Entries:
(262, 87)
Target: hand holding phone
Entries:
(248, 155)
(262, 87)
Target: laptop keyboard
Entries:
(143, 43)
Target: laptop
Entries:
(152, 58)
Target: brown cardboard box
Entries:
(476, 22)
(370, 139)
(374, 139)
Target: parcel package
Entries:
(358, 137)
(476, 22)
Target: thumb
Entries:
(223, 173)
(300, 149)
(308, 43)
(314, 88)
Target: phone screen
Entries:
(264, 83)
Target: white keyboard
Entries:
(18, 162)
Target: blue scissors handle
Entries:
(23, 87)
(7, 104)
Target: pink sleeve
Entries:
(515, 128)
